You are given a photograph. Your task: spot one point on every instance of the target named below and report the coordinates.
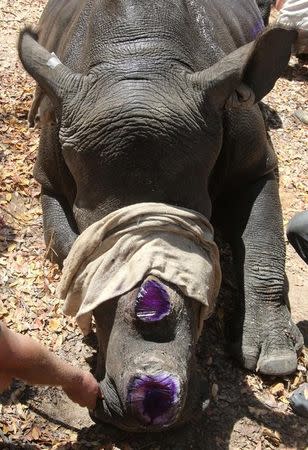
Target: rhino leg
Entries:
(58, 189)
(34, 116)
(262, 335)
(60, 229)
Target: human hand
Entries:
(84, 390)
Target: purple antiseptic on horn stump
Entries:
(152, 303)
(154, 398)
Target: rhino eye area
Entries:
(152, 303)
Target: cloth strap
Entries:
(116, 253)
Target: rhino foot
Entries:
(269, 342)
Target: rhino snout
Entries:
(154, 399)
(149, 357)
(151, 402)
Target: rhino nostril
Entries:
(152, 303)
(154, 398)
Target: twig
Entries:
(11, 214)
(17, 19)
(49, 246)
(52, 419)
(10, 20)
(9, 12)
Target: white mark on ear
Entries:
(54, 61)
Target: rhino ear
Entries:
(55, 79)
(246, 75)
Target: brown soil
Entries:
(246, 411)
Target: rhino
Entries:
(144, 102)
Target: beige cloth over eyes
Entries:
(116, 253)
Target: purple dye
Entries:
(152, 303)
(154, 398)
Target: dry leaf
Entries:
(35, 432)
(5, 429)
(58, 343)
(272, 436)
(297, 380)
(284, 400)
(54, 325)
(20, 410)
(277, 389)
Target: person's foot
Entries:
(299, 400)
(297, 233)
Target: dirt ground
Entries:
(245, 411)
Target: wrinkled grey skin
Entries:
(157, 101)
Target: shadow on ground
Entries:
(270, 116)
(7, 233)
(303, 327)
(17, 446)
(297, 72)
